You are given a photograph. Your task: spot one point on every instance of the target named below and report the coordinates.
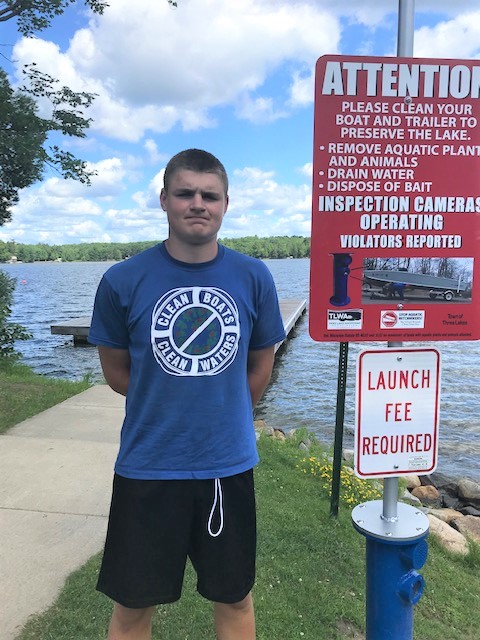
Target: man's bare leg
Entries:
(130, 624)
(235, 621)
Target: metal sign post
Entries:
(406, 22)
(395, 532)
(339, 423)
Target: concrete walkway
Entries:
(56, 472)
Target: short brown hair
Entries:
(195, 160)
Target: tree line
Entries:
(272, 247)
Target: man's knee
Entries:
(243, 606)
(128, 619)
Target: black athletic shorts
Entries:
(155, 524)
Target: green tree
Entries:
(10, 332)
(4, 252)
(23, 133)
(271, 247)
(37, 15)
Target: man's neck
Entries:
(193, 254)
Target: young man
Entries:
(186, 331)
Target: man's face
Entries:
(195, 204)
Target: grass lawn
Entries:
(310, 579)
(24, 393)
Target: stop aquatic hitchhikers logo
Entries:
(195, 331)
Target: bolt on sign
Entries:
(395, 200)
(397, 412)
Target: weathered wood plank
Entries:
(76, 327)
(291, 310)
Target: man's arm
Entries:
(116, 368)
(259, 371)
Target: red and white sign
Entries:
(397, 412)
(395, 200)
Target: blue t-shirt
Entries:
(188, 329)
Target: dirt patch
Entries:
(349, 630)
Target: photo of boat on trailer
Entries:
(396, 283)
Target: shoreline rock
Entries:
(449, 538)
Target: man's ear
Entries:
(227, 200)
(163, 196)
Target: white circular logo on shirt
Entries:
(195, 331)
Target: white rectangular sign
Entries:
(397, 412)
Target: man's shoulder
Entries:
(245, 260)
(135, 264)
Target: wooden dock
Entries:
(78, 328)
(291, 309)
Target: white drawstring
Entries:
(218, 498)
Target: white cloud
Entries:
(153, 67)
(302, 88)
(262, 206)
(150, 197)
(108, 182)
(202, 53)
(259, 110)
(125, 225)
(84, 231)
(154, 156)
(460, 35)
(110, 174)
(307, 169)
(42, 218)
(56, 207)
(116, 119)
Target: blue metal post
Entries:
(393, 587)
(341, 263)
(395, 549)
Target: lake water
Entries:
(303, 392)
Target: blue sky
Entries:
(235, 78)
